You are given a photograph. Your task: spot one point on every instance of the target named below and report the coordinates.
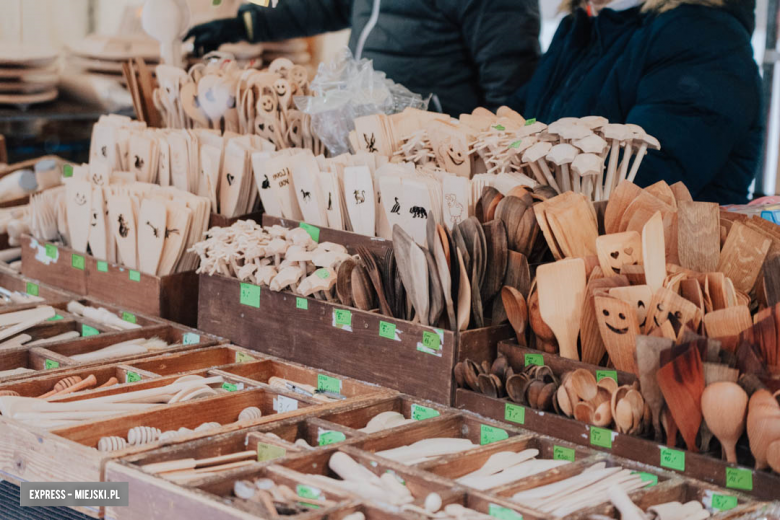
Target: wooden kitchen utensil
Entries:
(619, 249)
(151, 235)
(464, 294)
(619, 328)
(743, 256)
(654, 251)
(561, 287)
(648, 360)
(413, 269)
(698, 235)
(79, 204)
(728, 322)
(682, 384)
(516, 311)
(724, 407)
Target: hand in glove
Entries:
(209, 36)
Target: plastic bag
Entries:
(346, 89)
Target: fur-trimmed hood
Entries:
(658, 6)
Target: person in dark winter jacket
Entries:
(468, 53)
(681, 69)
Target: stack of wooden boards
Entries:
(104, 55)
(28, 74)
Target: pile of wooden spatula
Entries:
(681, 293)
(143, 226)
(201, 161)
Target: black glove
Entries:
(209, 36)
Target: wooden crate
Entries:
(16, 282)
(304, 330)
(54, 265)
(263, 371)
(700, 467)
(183, 362)
(173, 297)
(40, 384)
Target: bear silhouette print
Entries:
(418, 212)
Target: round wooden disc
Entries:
(28, 99)
(26, 56)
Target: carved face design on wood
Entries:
(618, 327)
(618, 249)
(616, 315)
(639, 296)
(298, 75)
(80, 198)
(452, 156)
(267, 104)
(281, 87)
(666, 303)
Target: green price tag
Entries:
(243, 357)
(250, 295)
(190, 338)
(132, 377)
(328, 384)
(330, 437)
(313, 231)
(503, 513)
(78, 262)
(56, 317)
(420, 413)
(561, 453)
(51, 251)
(216, 3)
(534, 359)
(514, 413)
(673, 459)
(651, 479)
(737, 478)
(529, 122)
(269, 452)
(601, 374)
(128, 317)
(491, 434)
(49, 364)
(387, 330)
(135, 276)
(500, 128)
(302, 304)
(230, 387)
(431, 340)
(102, 266)
(322, 273)
(343, 317)
(32, 289)
(67, 170)
(723, 502)
(87, 331)
(307, 492)
(601, 437)
(516, 144)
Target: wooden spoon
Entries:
(561, 287)
(724, 407)
(517, 312)
(344, 282)
(464, 294)
(496, 261)
(362, 289)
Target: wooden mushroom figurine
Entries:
(536, 158)
(615, 134)
(588, 167)
(562, 155)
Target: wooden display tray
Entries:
(304, 330)
(15, 282)
(175, 363)
(173, 297)
(214, 494)
(54, 357)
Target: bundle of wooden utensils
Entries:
(142, 226)
(679, 293)
(59, 409)
(221, 95)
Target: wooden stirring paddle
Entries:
(561, 287)
(682, 384)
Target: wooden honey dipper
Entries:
(111, 382)
(62, 384)
(8, 393)
(86, 383)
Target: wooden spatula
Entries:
(79, 203)
(728, 322)
(593, 348)
(653, 251)
(698, 235)
(648, 360)
(682, 383)
(123, 224)
(151, 235)
(619, 329)
(621, 198)
(413, 268)
(561, 288)
(772, 281)
(442, 270)
(618, 249)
